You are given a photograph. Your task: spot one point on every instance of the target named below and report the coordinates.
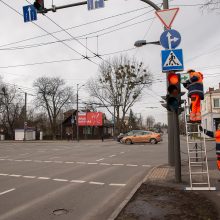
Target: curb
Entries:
(127, 199)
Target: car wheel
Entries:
(153, 141)
(128, 141)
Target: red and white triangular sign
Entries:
(167, 16)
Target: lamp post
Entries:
(77, 109)
(141, 43)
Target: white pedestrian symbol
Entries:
(172, 60)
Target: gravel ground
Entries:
(157, 202)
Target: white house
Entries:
(211, 109)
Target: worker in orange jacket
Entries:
(215, 135)
(196, 93)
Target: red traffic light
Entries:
(173, 78)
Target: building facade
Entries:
(211, 109)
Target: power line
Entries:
(29, 46)
(73, 27)
(47, 32)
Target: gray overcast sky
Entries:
(199, 30)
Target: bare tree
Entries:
(119, 85)
(11, 109)
(150, 120)
(211, 5)
(52, 95)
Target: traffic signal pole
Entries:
(171, 126)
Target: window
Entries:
(216, 103)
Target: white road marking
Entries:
(100, 159)
(7, 191)
(77, 181)
(68, 162)
(61, 180)
(146, 165)
(27, 160)
(2, 159)
(47, 161)
(112, 156)
(117, 164)
(18, 160)
(3, 174)
(92, 163)
(96, 183)
(105, 164)
(29, 177)
(122, 152)
(117, 184)
(14, 175)
(131, 165)
(43, 178)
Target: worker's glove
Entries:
(185, 84)
(200, 128)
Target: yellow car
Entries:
(142, 137)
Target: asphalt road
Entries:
(70, 180)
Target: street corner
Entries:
(162, 202)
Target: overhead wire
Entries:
(47, 32)
(73, 27)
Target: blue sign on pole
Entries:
(29, 13)
(170, 39)
(172, 60)
(95, 4)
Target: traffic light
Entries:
(39, 5)
(173, 97)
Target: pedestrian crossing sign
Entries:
(172, 60)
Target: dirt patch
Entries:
(155, 202)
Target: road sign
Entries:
(29, 13)
(95, 4)
(170, 39)
(167, 16)
(184, 77)
(172, 60)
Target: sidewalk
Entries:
(160, 198)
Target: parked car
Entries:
(142, 137)
(121, 135)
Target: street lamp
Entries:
(141, 43)
(77, 109)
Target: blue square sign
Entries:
(29, 13)
(172, 60)
(95, 4)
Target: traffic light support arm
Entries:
(55, 8)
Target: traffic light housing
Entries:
(173, 97)
(39, 5)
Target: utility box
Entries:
(2, 137)
(30, 135)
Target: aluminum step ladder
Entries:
(197, 156)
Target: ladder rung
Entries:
(196, 162)
(197, 165)
(197, 151)
(195, 173)
(197, 157)
(200, 188)
(195, 142)
(199, 183)
(194, 132)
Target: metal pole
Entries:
(176, 138)
(114, 123)
(55, 8)
(171, 128)
(25, 114)
(77, 108)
